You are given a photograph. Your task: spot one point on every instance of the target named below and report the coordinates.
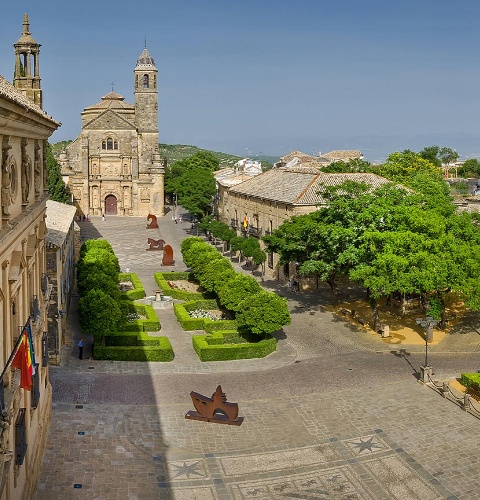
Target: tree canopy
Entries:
(55, 185)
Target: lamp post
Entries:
(428, 324)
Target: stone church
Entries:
(114, 167)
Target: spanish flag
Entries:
(23, 361)
(245, 222)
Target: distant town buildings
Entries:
(114, 167)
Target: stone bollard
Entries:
(426, 373)
(466, 402)
(385, 331)
(445, 389)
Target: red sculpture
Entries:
(168, 256)
(153, 224)
(155, 244)
(214, 409)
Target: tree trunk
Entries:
(333, 288)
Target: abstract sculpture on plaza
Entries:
(168, 256)
(214, 409)
(155, 244)
(153, 224)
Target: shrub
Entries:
(188, 323)
(95, 244)
(213, 348)
(471, 381)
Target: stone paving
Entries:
(333, 414)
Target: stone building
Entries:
(63, 243)
(114, 165)
(257, 206)
(24, 289)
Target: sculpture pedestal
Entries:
(218, 418)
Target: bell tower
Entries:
(27, 71)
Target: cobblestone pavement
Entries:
(334, 414)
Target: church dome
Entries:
(145, 59)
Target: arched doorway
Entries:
(110, 205)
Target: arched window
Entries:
(145, 81)
(104, 145)
(154, 81)
(115, 144)
(109, 143)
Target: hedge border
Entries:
(151, 324)
(138, 291)
(162, 352)
(212, 348)
(471, 381)
(189, 324)
(161, 280)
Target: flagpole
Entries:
(15, 349)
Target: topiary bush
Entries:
(146, 349)
(213, 347)
(148, 324)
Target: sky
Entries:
(265, 77)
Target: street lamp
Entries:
(428, 324)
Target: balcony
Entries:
(255, 231)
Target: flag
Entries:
(23, 362)
(245, 222)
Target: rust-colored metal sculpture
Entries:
(214, 409)
(168, 256)
(155, 244)
(153, 221)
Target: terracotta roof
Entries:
(342, 155)
(112, 100)
(299, 186)
(8, 91)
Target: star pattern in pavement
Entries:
(187, 470)
(367, 445)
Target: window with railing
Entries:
(34, 309)
(35, 387)
(20, 437)
(45, 349)
(44, 284)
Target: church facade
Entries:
(114, 166)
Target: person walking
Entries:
(80, 349)
(103, 217)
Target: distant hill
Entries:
(176, 152)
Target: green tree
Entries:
(231, 293)
(447, 156)
(430, 153)
(470, 168)
(99, 315)
(262, 313)
(55, 185)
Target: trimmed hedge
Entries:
(161, 280)
(189, 324)
(151, 324)
(138, 291)
(213, 348)
(471, 381)
(156, 349)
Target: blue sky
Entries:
(267, 77)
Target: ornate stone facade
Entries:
(114, 165)
(24, 291)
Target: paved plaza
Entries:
(334, 413)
